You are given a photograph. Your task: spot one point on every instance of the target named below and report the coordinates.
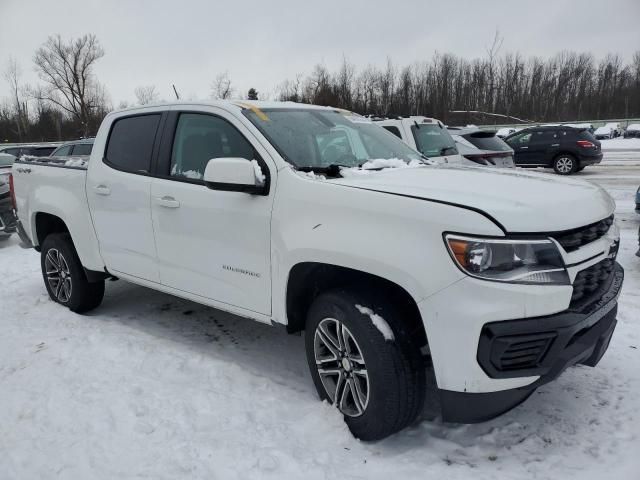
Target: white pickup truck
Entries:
(321, 221)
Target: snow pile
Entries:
(379, 322)
(621, 144)
(259, 175)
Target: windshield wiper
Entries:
(443, 151)
(332, 170)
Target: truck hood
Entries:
(522, 202)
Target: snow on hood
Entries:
(520, 201)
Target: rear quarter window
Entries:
(82, 149)
(392, 129)
(131, 141)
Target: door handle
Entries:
(167, 201)
(523, 148)
(102, 190)
(555, 145)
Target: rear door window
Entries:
(131, 141)
(520, 139)
(64, 151)
(42, 152)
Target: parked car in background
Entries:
(638, 200)
(632, 131)
(77, 148)
(32, 150)
(482, 147)
(7, 217)
(565, 149)
(605, 132)
(381, 259)
(426, 135)
(589, 127)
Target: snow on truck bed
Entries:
(79, 162)
(152, 386)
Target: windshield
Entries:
(320, 138)
(433, 140)
(487, 141)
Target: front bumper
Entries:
(541, 346)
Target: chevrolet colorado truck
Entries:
(318, 220)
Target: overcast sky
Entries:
(262, 43)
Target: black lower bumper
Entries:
(540, 346)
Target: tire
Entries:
(565, 164)
(391, 392)
(580, 169)
(65, 278)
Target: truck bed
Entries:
(56, 187)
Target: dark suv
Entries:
(565, 149)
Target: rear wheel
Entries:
(565, 164)
(65, 277)
(364, 362)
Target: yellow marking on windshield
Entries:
(259, 113)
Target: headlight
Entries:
(512, 261)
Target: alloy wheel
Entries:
(564, 164)
(341, 367)
(58, 275)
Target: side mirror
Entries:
(235, 175)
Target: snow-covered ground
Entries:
(620, 144)
(152, 386)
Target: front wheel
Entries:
(64, 276)
(565, 164)
(364, 362)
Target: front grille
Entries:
(591, 279)
(520, 351)
(574, 239)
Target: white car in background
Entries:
(427, 135)
(632, 131)
(482, 147)
(604, 133)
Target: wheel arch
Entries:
(45, 224)
(308, 279)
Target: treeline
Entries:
(568, 86)
(69, 102)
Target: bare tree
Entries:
(18, 103)
(146, 94)
(67, 70)
(221, 87)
